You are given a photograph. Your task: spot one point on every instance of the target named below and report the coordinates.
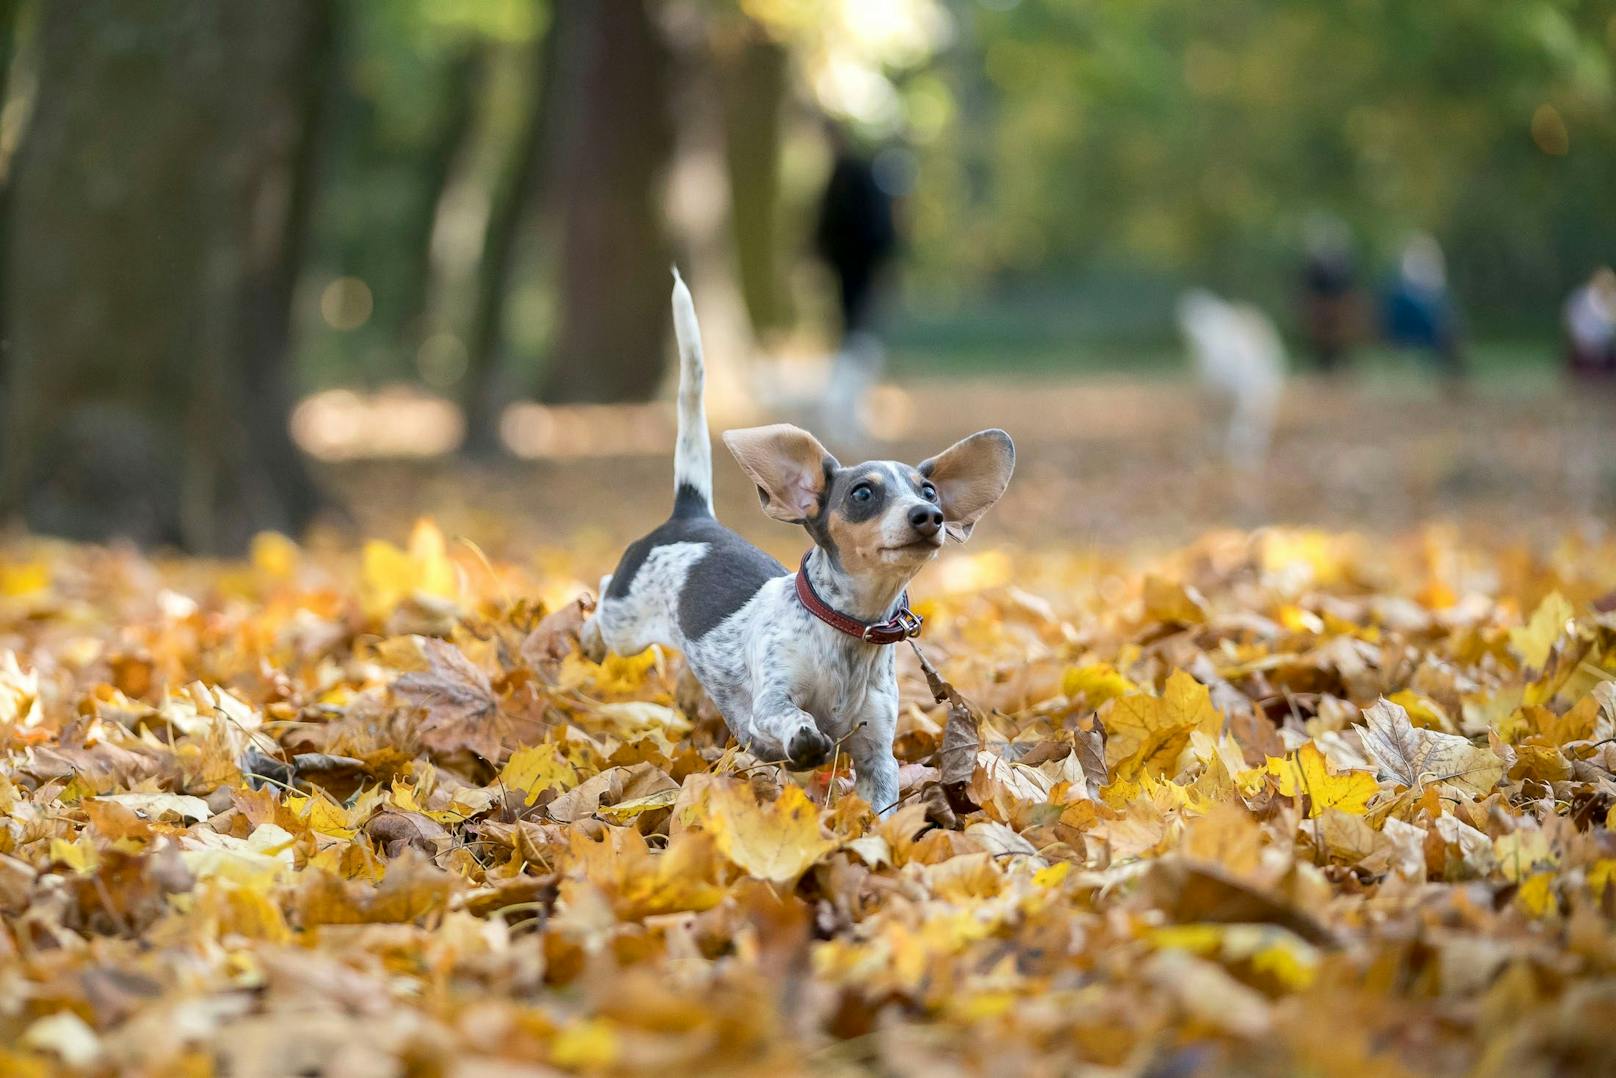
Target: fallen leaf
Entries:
(1147, 734)
(775, 841)
(1414, 756)
(461, 709)
(1534, 640)
(1306, 776)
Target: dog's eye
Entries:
(862, 493)
(929, 492)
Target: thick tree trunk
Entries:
(155, 233)
(10, 15)
(614, 149)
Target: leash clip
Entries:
(905, 621)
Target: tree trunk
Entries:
(752, 81)
(10, 15)
(484, 394)
(456, 112)
(615, 145)
(156, 227)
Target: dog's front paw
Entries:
(808, 749)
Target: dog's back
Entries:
(691, 572)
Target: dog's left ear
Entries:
(970, 475)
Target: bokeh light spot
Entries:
(346, 303)
(1549, 131)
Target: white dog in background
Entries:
(1240, 360)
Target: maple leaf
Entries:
(1147, 734)
(776, 841)
(461, 709)
(390, 576)
(1535, 640)
(1305, 773)
(1413, 755)
(535, 769)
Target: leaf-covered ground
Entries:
(1281, 802)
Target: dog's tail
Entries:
(693, 453)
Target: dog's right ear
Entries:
(789, 466)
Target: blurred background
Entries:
(353, 260)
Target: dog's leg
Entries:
(870, 745)
(780, 730)
(687, 691)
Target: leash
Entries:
(903, 625)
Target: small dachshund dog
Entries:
(797, 663)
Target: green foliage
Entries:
(1198, 139)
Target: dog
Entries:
(799, 664)
(1240, 362)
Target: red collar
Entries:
(901, 626)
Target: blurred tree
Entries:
(155, 234)
(10, 24)
(484, 392)
(443, 146)
(753, 71)
(612, 148)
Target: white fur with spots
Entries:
(781, 678)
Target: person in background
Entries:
(1590, 328)
(1330, 301)
(1419, 313)
(856, 236)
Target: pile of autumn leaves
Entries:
(1276, 802)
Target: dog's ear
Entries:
(789, 466)
(969, 476)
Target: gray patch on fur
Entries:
(723, 581)
(717, 584)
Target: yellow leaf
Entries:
(1172, 602)
(615, 675)
(79, 856)
(1096, 683)
(1305, 773)
(1536, 895)
(323, 815)
(1519, 852)
(775, 841)
(1544, 763)
(1052, 875)
(1535, 640)
(589, 1044)
(389, 576)
(536, 769)
(1146, 734)
(274, 555)
(624, 811)
(1601, 874)
(1423, 711)
(18, 581)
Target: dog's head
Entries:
(883, 517)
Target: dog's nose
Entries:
(926, 519)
